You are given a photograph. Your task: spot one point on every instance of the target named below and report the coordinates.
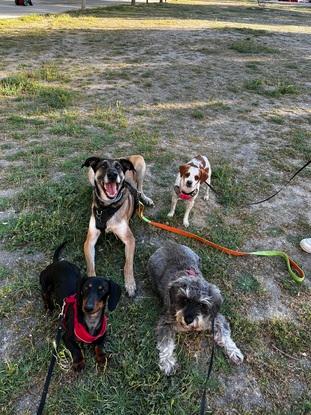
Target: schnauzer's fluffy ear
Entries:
(126, 165)
(203, 175)
(114, 295)
(91, 162)
(214, 293)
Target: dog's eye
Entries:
(196, 177)
(187, 174)
(100, 178)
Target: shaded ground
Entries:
(228, 80)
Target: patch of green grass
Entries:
(111, 117)
(249, 46)
(197, 114)
(247, 284)
(273, 88)
(288, 336)
(224, 180)
(17, 84)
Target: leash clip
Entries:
(62, 312)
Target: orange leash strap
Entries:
(295, 271)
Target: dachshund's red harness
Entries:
(80, 331)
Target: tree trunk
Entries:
(133, 2)
(83, 4)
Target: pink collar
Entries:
(191, 272)
(80, 331)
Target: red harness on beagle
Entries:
(80, 331)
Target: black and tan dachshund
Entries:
(84, 300)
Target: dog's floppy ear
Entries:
(114, 295)
(126, 165)
(217, 299)
(91, 162)
(203, 175)
(183, 169)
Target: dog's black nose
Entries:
(188, 319)
(189, 183)
(112, 175)
(88, 308)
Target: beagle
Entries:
(191, 175)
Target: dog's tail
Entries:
(58, 250)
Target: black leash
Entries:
(274, 194)
(52, 364)
(210, 366)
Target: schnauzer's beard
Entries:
(200, 323)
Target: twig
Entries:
(285, 354)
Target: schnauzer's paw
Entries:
(186, 223)
(130, 288)
(170, 214)
(78, 366)
(236, 357)
(169, 366)
(147, 201)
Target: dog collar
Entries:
(191, 272)
(183, 195)
(80, 331)
(103, 213)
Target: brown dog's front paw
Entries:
(130, 288)
(78, 366)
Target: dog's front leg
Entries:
(189, 206)
(76, 353)
(123, 231)
(89, 247)
(140, 167)
(99, 350)
(223, 338)
(173, 205)
(166, 346)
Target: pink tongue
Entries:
(111, 189)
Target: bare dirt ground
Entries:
(229, 80)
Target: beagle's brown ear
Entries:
(91, 162)
(203, 175)
(126, 165)
(183, 169)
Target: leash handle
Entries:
(295, 271)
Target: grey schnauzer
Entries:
(190, 303)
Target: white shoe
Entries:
(306, 245)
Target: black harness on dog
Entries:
(103, 213)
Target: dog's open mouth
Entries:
(111, 189)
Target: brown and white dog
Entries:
(191, 175)
(117, 187)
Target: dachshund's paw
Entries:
(101, 357)
(79, 366)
